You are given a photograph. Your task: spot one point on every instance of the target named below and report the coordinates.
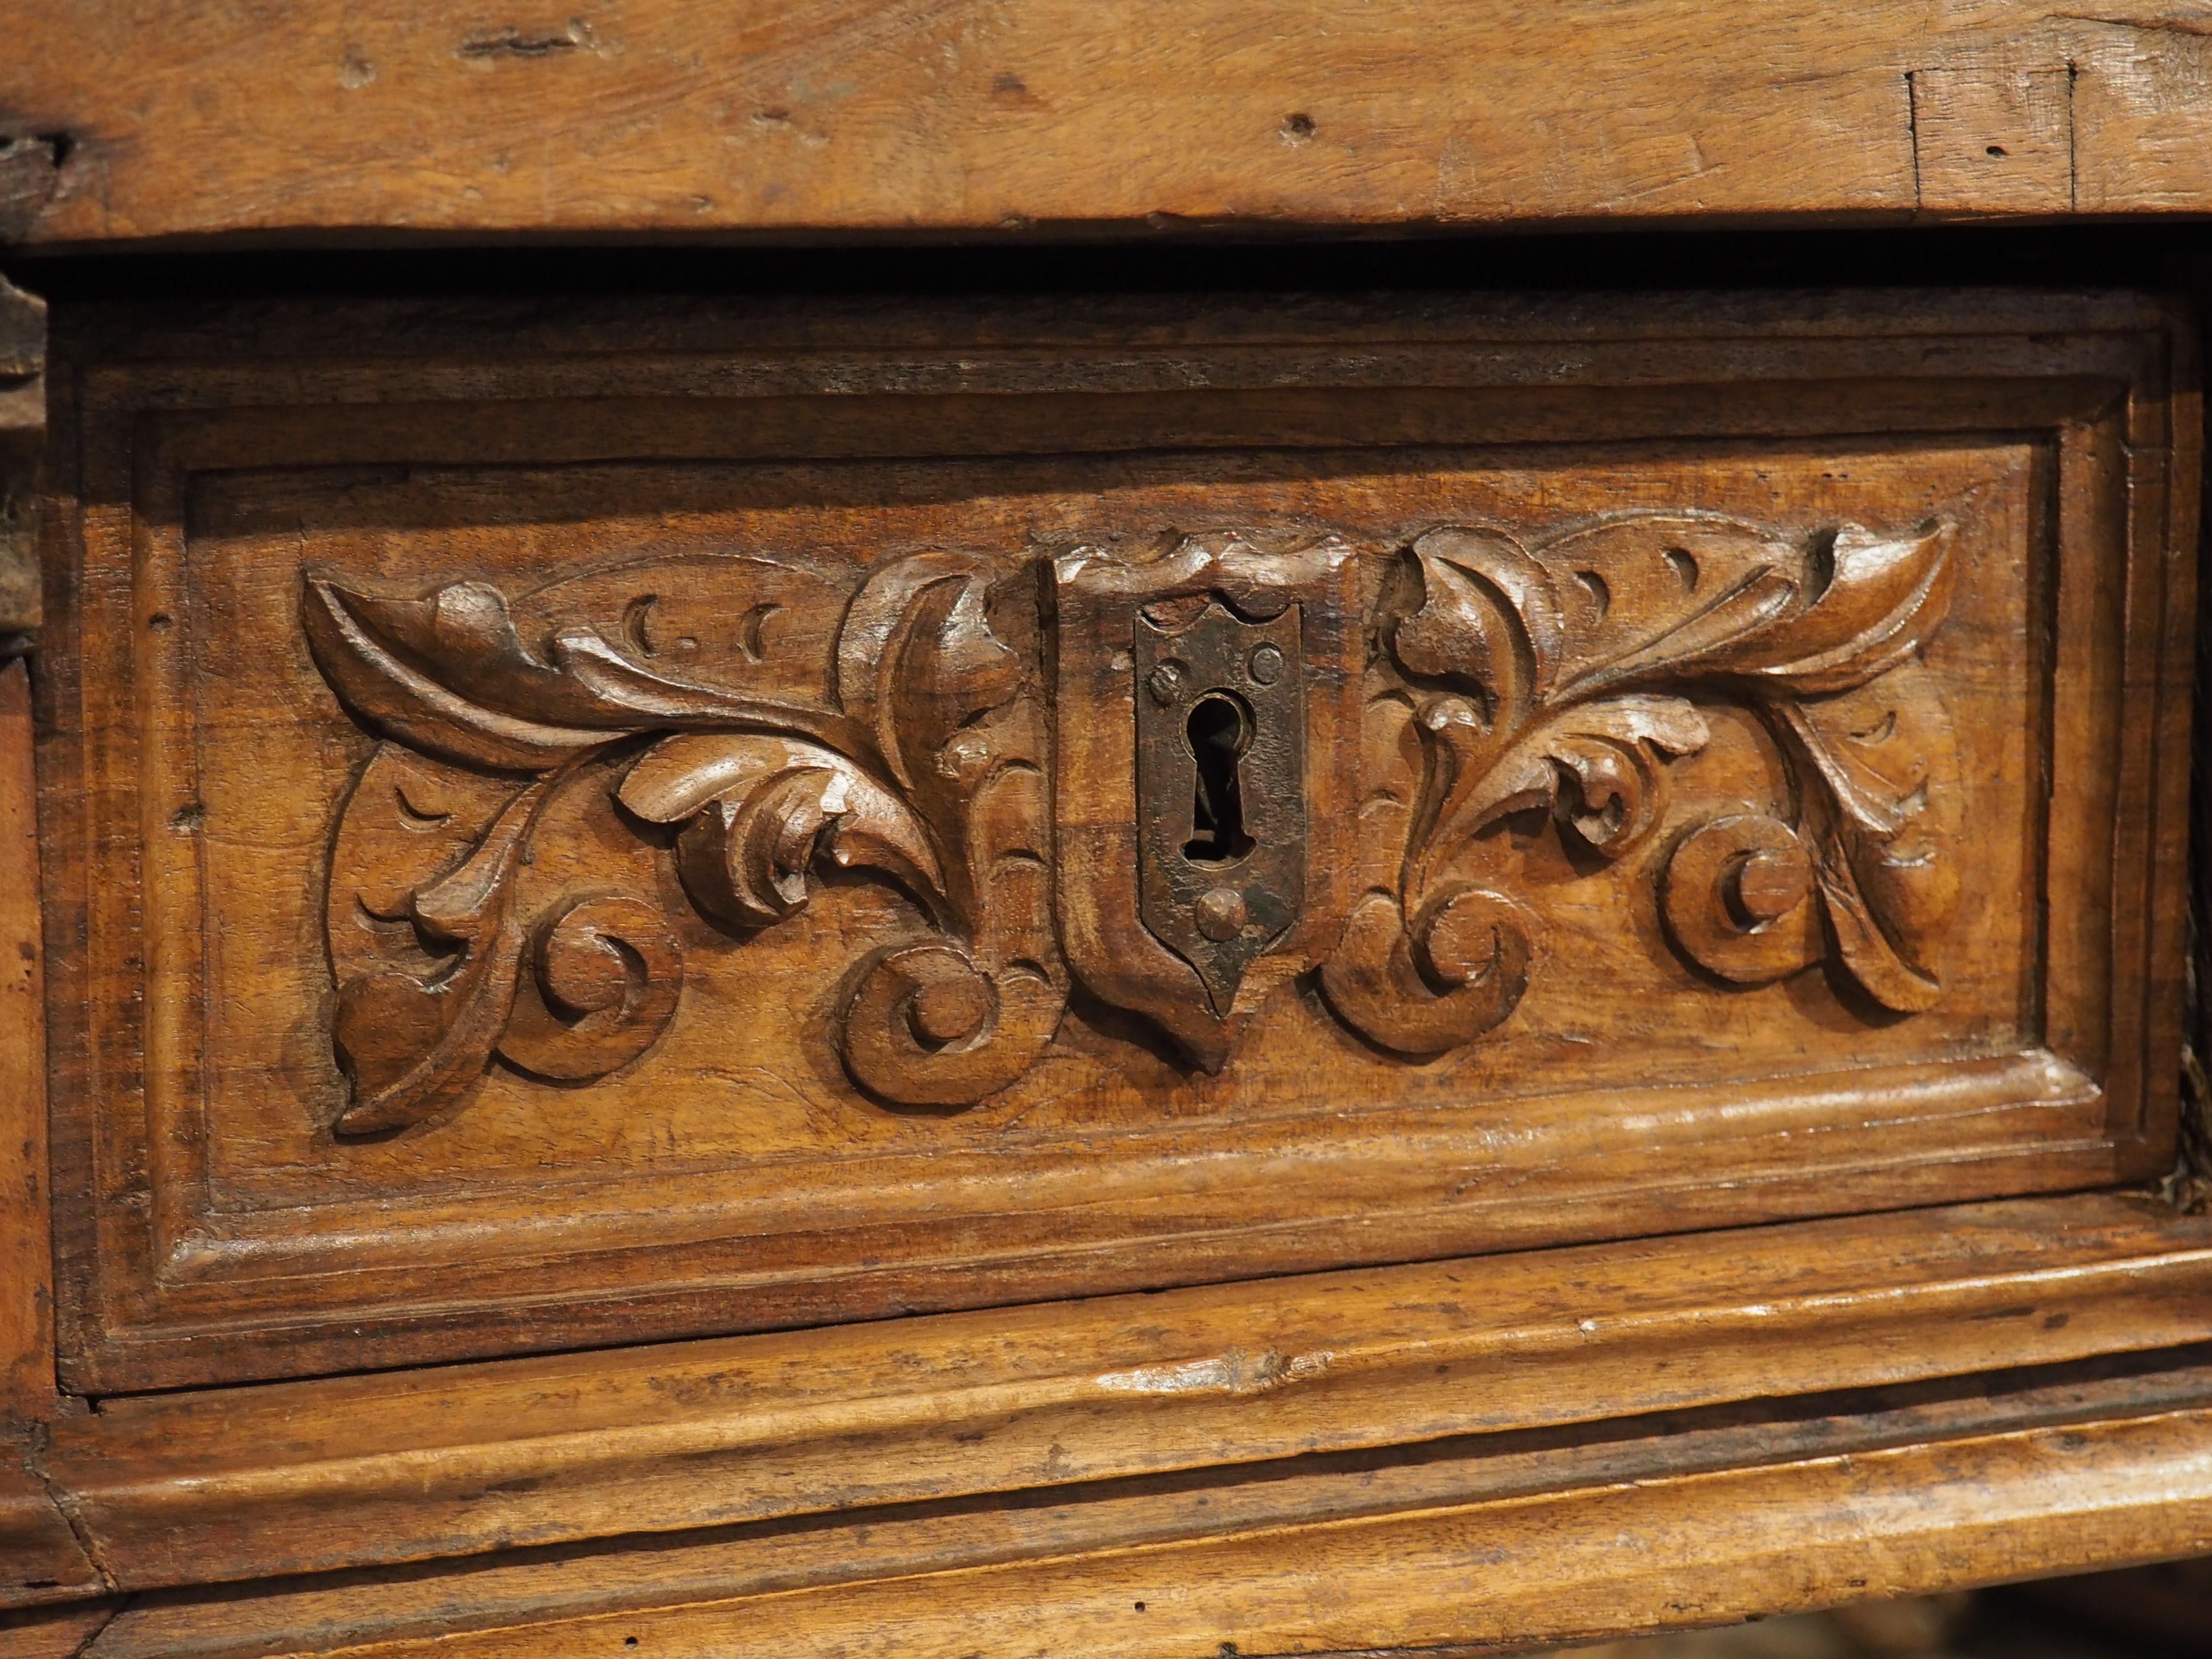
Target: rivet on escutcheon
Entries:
(1165, 684)
(1220, 912)
(1264, 664)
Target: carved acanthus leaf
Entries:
(1597, 763)
(408, 1040)
(1571, 664)
(447, 675)
(917, 660)
(1489, 620)
(1568, 677)
(584, 988)
(758, 809)
(898, 772)
(1882, 599)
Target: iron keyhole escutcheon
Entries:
(1220, 807)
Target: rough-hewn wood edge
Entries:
(359, 1471)
(22, 442)
(1132, 115)
(63, 1632)
(40, 1559)
(2176, 478)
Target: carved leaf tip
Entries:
(448, 674)
(409, 1042)
(1490, 618)
(640, 699)
(758, 809)
(1596, 765)
(411, 668)
(916, 658)
(1883, 597)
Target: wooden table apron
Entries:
(634, 1053)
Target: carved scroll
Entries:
(1560, 676)
(922, 766)
(499, 870)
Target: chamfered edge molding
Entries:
(188, 1327)
(372, 1470)
(1470, 1545)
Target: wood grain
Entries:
(1625, 1543)
(54, 1633)
(22, 442)
(1994, 139)
(27, 1311)
(41, 1560)
(553, 1586)
(351, 1472)
(480, 693)
(1803, 678)
(978, 117)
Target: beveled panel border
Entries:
(153, 1291)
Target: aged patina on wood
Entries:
(1731, 776)
(623, 822)
(331, 119)
(818, 830)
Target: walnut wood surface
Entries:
(574, 856)
(41, 1560)
(53, 1632)
(552, 1587)
(22, 440)
(26, 1314)
(791, 117)
(344, 1471)
(1448, 1550)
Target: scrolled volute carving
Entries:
(917, 767)
(1570, 676)
(1561, 676)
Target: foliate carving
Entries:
(921, 765)
(1560, 676)
(499, 870)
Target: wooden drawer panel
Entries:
(589, 826)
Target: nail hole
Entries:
(1297, 128)
(159, 622)
(1996, 149)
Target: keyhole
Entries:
(1218, 731)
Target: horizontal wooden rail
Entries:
(376, 1469)
(801, 117)
(1731, 1512)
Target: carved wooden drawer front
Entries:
(581, 828)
